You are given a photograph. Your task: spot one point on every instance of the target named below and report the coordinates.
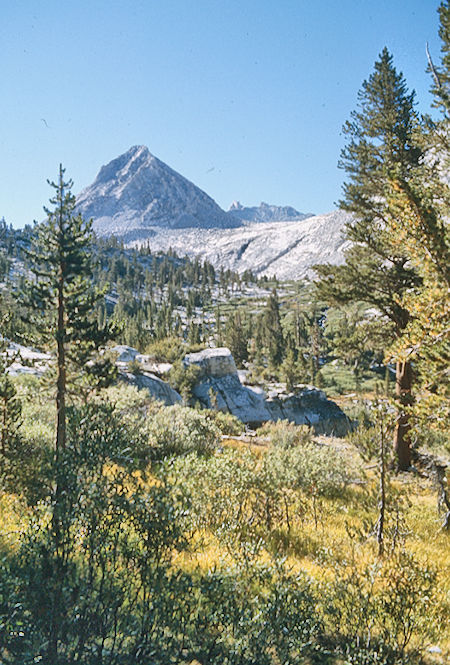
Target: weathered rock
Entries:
(25, 360)
(309, 406)
(214, 363)
(156, 388)
(227, 394)
(125, 354)
(219, 387)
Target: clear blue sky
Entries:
(246, 98)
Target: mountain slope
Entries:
(140, 199)
(285, 249)
(137, 190)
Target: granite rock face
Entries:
(140, 199)
(309, 406)
(287, 249)
(125, 354)
(214, 363)
(156, 387)
(136, 192)
(219, 387)
(266, 213)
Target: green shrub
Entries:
(233, 496)
(176, 430)
(183, 379)
(366, 440)
(375, 608)
(89, 583)
(25, 469)
(284, 434)
(134, 367)
(438, 441)
(313, 468)
(129, 401)
(168, 349)
(227, 423)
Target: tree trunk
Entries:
(4, 427)
(402, 441)
(382, 495)
(61, 360)
(60, 446)
(57, 521)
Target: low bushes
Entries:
(284, 434)
(175, 430)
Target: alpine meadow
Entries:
(225, 434)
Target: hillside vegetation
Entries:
(137, 533)
(179, 543)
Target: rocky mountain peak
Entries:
(136, 192)
(125, 165)
(265, 213)
(140, 199)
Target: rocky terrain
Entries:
(140, 199)
(265, 213)
(136, 191)
(218, 386)
(287, 250)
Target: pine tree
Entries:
(236, 338)
(273, 332)
(60, 306)
(381, 137)
(60, 300)
(420, 207)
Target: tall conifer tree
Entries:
(420, 208)
(273, 332)
(60, 298)
(381, 137)
(59, 304)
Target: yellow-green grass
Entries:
(340, 533)
(323, 531)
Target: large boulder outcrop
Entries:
(156, 387)
(214, 363)
(219, 387)
(307, 405)
(144, 379)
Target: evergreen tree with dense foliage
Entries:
(381, 138)
(60, 306)
(236, 338)
(272, 330)
(60, 299)
(420, 208)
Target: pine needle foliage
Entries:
(59, 298)
(381, 138)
